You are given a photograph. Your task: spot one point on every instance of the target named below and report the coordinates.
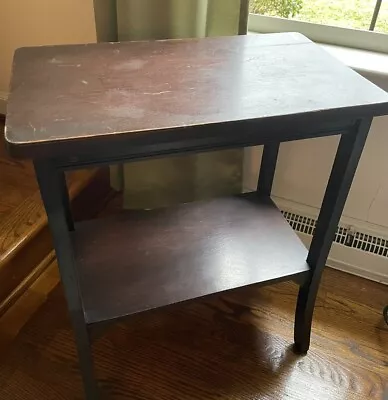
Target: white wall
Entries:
(304, 166)
(40, 22)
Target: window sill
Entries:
(363, 61)
(370, 64)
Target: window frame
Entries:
(347, 37)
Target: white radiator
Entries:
(356, 249)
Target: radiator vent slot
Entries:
(344, 236)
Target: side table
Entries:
(76, 106)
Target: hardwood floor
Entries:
(233, 346)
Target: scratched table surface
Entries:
(83, 91)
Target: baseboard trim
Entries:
(355, 262)
(362, 272)
(3, 102)
(343, 258)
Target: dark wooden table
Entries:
(77, 106)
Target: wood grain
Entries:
(233, 346)
(139, 260)
(131, 90)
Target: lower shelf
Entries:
(140, 260)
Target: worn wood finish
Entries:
(140, 260)
(114, 102)
(232, 346)
(100, 151)
(156, 90)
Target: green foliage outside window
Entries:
(279, 8)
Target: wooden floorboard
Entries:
(233, 346)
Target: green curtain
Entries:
(162, 182)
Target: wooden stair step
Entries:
(25, 240)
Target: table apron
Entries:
(215, 138)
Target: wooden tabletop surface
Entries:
(78, 92)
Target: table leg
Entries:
(267, 168)
(55, 198)
(341, 177)
(64, 194)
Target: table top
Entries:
(83, 92)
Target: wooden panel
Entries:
(109, 89)
(140, 260)
(232, 346)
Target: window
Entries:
(354, 23)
